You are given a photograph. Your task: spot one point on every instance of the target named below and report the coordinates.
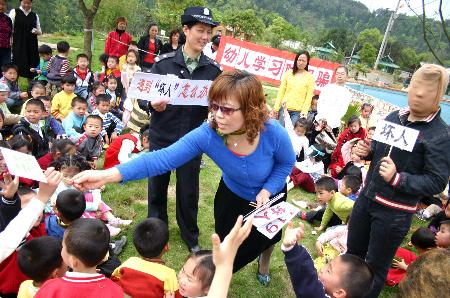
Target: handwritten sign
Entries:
(149, 86)
(23, 165)
(269, 64)
(269, 222)
(396, 135)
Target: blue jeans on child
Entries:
(293, 114)
(374, 234)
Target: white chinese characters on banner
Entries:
(270, 221)
(272, 67)
(23, 165)
(148, 86)
(396, 135)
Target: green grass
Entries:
(130, 201)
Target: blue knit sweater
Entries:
(267, 167)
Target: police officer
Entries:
(170, 122)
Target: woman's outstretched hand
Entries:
(91, 179)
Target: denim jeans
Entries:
(293, 114)
(374, 234)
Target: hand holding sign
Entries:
(23, 165)
(387, 168)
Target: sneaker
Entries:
(302, 215)
(118, 245)
(113, 231)
(117, 222)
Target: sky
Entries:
(431, 6)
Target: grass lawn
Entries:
(130, 201)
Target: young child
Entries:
(440, 217)
(350, 158)
(112, 126)
(354, 130)
(9, 118)
(297, 134)
(148, 276)
(10, 76)
(90, 143)
(345, 276)
(84, 76)
(69, 167)
(112, 68)
(112, 90)
(37, 90)
(40, 259)
(306, 173)
(350, 186)
(97, 89)
(366, 111)
(85, 245)
(423, 240)
(58, 67)
(129, 68)
(45, 54)
(62, 101)
(196, 276)
(74, 122)
(30, 126)
(59, 148)
(69, 206)
(123, 59)
(326, 192)
(330, 244)
(312, 112)
(52, 126)
(443, 235)
(125, 146)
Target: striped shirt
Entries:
(108, 119)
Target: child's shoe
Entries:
(113, 231)
(117, 222)
(302, 215)
(117, 246)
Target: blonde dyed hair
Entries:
(248, 91)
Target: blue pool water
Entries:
(397, 98)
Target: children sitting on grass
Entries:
(85, 245)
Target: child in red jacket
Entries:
(353, 130)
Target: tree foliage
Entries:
(368, 54)
(167, 13)
(371, 36)
(243, 21)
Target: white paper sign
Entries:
(396, 135)
(287, 212)
(23, 165)
(149, 86)
(269, 215)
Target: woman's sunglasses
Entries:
(225, 110)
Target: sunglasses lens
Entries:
(227, 111)
(214, 107)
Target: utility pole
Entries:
(386, 35)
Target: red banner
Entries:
(267, 63)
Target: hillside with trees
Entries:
(346, 23)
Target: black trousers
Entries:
(187, 193)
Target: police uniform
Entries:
(174, 122)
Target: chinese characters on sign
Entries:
(396, 135)
(270, 221)
(148, 86)
(267, 63)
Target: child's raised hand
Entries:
(224, 253)
(46, 190)
(319, 248)
(292, 235)
(399, 264)
(9, 186)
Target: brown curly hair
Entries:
(250, 94)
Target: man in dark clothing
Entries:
(170, 122)
(397, 179)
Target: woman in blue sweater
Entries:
(253, 152)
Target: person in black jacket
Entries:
(397, 179)
(170, 122)
(30, 127)
(173, 43)
(149, 47)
